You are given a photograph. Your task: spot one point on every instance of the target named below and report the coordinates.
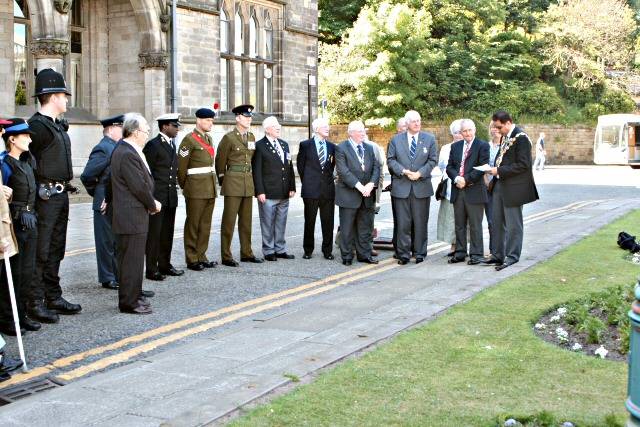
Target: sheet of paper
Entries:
(482, 168)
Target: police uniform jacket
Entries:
(233, 162)
(98, 170)
(163, 162)
(195, 167)
(271, 176)
(515, 173)
(51, 147)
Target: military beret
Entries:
(112, 121)
(205, 113)
(243, 110)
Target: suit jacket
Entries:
(163, 162)
(478, 155)
(132, 186)
(350, 173)
(398, 158)
(515, 172)
(271, 176)
(97, 170)
(317, 180)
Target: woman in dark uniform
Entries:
(17, 173)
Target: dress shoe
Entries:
(7, 365)
(328, 256)
(452, 253)
(252, 259)
(307, 256)
(347, 262)
(10, 330)
(230, 262)
(474, 261)
(271, 257)
(4, 376)
(155, 276)
(144, 302)
(374, 252)
(394, 256)
(62, 306)
(455, 260)
(504, 265)
(419, 260)
(285, 255)
(172, 271)
(30, 324)
(209, 264)
(369, 260)
(195, 266)
(38, 311)
(111, 285)
(147, 294)
(140, 309)
(403, 261)
(491, 260)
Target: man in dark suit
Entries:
(514, 187)
(161, 156)
(316, 162)
(411, 157)
(95, 177)
(274, 182)
(469, 194)
(133, 201)
(358, 174)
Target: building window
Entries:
(238, 31)
(73, 61)
(224, 30)
(253, 36)
(224, 85)
(21, 56)
(267, 37)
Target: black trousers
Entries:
(131, 266)
(356, 231)
(470, 214)
(22, 265)
(53, 216)
(488, 212)
(327, 209)
(160, 240)
(105, 247)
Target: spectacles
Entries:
(144, 131)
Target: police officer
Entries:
(233, 165)
(51, 148)
(161, 156)
(17, 173)
(96, 177)
(196, 177)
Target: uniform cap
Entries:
(173, 118)
(243, 110)
(50, 81)
(205, 113)
(17, 126)
(112, 121)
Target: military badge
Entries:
(251, 145)
(183, 152)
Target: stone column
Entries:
(154, 65)
(50, 33)
(7, 79)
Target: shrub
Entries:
(592, 110)
(617, 101)
(593, 327)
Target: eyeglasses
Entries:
(144, 131)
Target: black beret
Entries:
(205, 113)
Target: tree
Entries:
(337, 17)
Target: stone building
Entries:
(117, 55)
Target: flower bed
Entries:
(597, 325)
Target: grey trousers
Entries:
(412, 210)
(468, 213)
(356, 231)
(507, 228)
(273, 224)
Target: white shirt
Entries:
(409, 136)
(166, 138)
(465, 146)
(276, 144)
(141, 154)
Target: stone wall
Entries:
(565, 145)
(6, 57)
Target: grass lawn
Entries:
(480, 360)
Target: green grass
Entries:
(479, 362)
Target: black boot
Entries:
(62, 306)
(30, 325)
(36, 310)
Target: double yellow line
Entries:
(172, 332)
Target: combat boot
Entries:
(36, 310)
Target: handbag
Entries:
(441, 190)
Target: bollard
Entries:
(633, 386)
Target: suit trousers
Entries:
(22, 266)
(488, 212)
(327, 212)
(160, 240)
(197, 229)
(105, 248)
(507, 227)
(131, 266)
(356, 231)
(241, 208)
(273, 224)
(468, 213)
(412, 212)
(53, 216)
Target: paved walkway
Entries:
(292, 334)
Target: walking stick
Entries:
(14, 309)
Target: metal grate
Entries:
(20, 391)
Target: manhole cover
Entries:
(20, 391)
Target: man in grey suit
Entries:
(358, 173)
(411, 157)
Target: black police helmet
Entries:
(50, 81)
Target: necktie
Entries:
(467, 147)
(244, 138)
(278, 148)
(412, 149)
(321, 154)
(173, 143)
(361, 155)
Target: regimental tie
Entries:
(322, 155)
(412, 149)
(361, 155)
(467, 148)
(278, 148)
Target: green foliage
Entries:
(592, 110)
(616, 101)
(21, 94)
(337, 17)
(593, 327)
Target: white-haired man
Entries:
(358, 174)
(275, 183)
(316, 162)
(411, 157)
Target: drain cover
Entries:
(20, 391)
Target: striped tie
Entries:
(321, 154)
(412, 149)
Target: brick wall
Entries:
(565, 145)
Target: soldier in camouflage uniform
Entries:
(233, 166)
